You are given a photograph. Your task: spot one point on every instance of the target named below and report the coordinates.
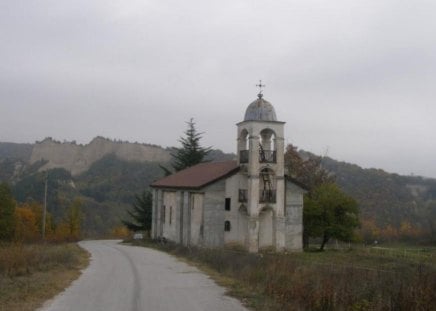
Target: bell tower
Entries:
(260, 150)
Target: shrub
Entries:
(18, 259)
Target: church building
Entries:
(250, 201)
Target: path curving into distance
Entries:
(129, 278)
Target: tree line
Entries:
(23, 222)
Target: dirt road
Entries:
(128, 278)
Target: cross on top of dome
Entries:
(260, 109)
(260, 86)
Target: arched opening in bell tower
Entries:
(243, 145)
(267, 189)
(267, 146)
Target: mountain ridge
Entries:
(109, 180)
(78, 158)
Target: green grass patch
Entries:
(355, 279)
(33, 273)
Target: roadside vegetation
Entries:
(353, 279)
(25, 222)
(33, 273)
(36, 266)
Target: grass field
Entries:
(353, 279)
(31, 274)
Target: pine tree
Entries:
(141, 213)
(7, 213)
(191, 152)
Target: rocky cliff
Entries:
(78, 158)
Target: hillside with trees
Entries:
(107, 188)
(391, 206)
(16, 151)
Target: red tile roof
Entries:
(198, 176)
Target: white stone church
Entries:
(249, 201)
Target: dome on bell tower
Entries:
(260, 110)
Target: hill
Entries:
(392, 206)
(16, 151)
(106, 174)
(79, 158)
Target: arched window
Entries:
(243, 146)
(227, 225)
(267, 186)
(267, 148)
(243, 140)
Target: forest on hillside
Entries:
(392, 207)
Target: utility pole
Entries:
(44, 211)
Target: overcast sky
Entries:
(355, 80)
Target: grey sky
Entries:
(355, 79)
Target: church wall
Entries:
(238, 222)
(266, 228)
(185, 217)
(294, 194)
(196, 218)
(180, 211)
(214, 203)
(294, 217)
(154, 214)
(170, 220)
(157, 223)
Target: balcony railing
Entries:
(243, 156)
(267, 196)
(243, 195)
(267, 156)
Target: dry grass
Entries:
(333, 280)
(32, 274)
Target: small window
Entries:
(228, 202)
(163, 214)
(242, 195)
(171, 214)
(227, 226)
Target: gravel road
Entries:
(128, 278)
